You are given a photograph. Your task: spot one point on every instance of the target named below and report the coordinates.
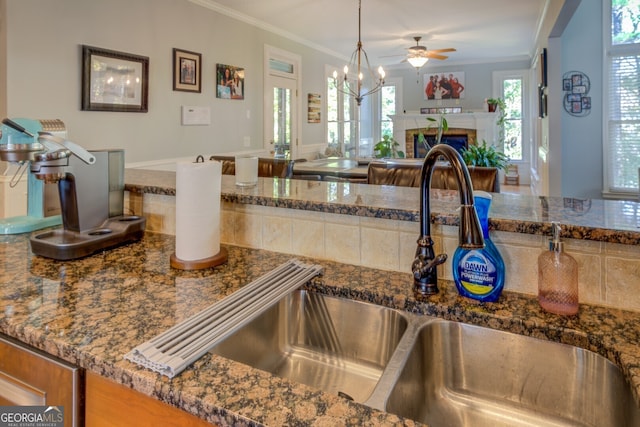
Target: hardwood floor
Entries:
(515, 189)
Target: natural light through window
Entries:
(622, 141)
(512, 126)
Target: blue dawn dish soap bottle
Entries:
(479, 273)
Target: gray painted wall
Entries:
(43, 74)
(582, 138)
(478, 83)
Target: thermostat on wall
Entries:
(194, 116)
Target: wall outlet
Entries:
(247, 141)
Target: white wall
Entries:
(43, 73)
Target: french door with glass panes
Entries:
(281, 102)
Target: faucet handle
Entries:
(422, 265)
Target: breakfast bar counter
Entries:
(610, 221)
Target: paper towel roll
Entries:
(198, 210)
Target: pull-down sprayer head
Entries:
(424, 266)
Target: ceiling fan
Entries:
(418, 55)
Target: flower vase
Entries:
(492, 107)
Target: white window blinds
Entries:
(624, 123)
(622, 138)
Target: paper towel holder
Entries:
(199, 264)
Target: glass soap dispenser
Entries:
(557, 277)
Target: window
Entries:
(342, 129)
(512, 127)
(511, 87)
(622, 97)
(352, 131)
(389, 101)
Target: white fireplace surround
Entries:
(483, 123)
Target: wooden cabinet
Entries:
(108, 404)
(29, 377)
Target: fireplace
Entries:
(459, 142)
(457, 138)
(477, 126)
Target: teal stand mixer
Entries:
(19, 144)
(89, 186)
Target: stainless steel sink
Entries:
(463, 375)
(439, 372)
(334, 344)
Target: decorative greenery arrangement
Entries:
(485, 156)
(442, 125)
(388, 147)
(502, 107)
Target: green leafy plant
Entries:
(501, 107)
(485, 155)
(388, 147)
(442, 127)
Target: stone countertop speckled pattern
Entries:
(591, 219)
(92, 311)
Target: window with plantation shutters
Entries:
(622, 137)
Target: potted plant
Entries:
(442, 125)
(388, 147)
(494, 103)
(485, 156)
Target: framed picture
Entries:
(579, 89)
(446, 85)
(576, 79)
(443, 110)
(576, 87)
(114, 81)
(542, 102)
(229, 82)
(187, 69)
(543, 67)
(314, 108)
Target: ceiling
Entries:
(481, 31)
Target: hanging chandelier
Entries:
(358, 90)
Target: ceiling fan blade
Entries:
(435, 56)
(390, 56)
(449, 49)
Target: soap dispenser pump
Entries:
(557, 277)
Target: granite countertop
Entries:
(92, 311)
(591, 219)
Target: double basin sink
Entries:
(434, 371)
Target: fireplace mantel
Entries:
(483, 123)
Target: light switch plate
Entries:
(195, 116)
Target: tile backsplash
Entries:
(608, 273)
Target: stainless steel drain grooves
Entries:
(172, 351)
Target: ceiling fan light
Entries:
(417, 61)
